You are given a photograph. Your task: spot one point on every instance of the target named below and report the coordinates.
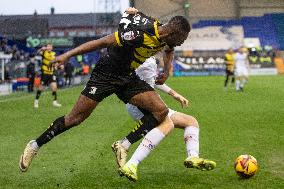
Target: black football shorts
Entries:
(229, 72)
(46, 79)
(102, 85)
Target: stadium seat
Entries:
(267, 28)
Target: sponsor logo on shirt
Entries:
(128, 36)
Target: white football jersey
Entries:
(241, 60)
(148, 71)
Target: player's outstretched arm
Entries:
(97, 44)
(40, 51)
(183, 101)
(168, 56)
(166, 89)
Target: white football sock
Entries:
(244, 81)
(34, 145)
(238, 84)
(125, 143)
(191, 139)
(150, 141)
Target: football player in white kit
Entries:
(241, 69)
(148, 72)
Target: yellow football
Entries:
(246, 166)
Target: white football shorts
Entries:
(241, 71)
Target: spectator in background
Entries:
(230, 62)
(69, 68)
(7, 75)
(16, 53)
(85, 69)
(79, 58)
(31, 74)
(14, 50)
(59, 73)
(3, 46)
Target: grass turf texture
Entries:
(231, 124)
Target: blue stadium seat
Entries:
(268, 28)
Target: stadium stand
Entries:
(260, 18)
(267, 28)
(278, 21)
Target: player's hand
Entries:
(43, 48)
(61, 59)
(160, 80)
(131, 10)
(61, 67)
(183, 101)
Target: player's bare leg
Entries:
(38, 93)
(226, 81)
(145, 123)
(53, 87)
(121, 147)
(238, 83)
(81, 110)
(152, 102)
(191, 138)
(150, 141)
(243, 82)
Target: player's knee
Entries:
(166, 127)
(161, 115)
(193, 122)
(54, 88)
(71, 120)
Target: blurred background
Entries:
(217, 25)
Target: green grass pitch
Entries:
(231, 124)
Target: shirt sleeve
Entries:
(164, 88)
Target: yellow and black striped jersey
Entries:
(230, 61)
(46, 66)
(138, 39)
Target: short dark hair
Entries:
(180, 23)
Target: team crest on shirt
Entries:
(93, 90)
(128, 36)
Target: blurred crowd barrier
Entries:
(14, 76)
(205, 63)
